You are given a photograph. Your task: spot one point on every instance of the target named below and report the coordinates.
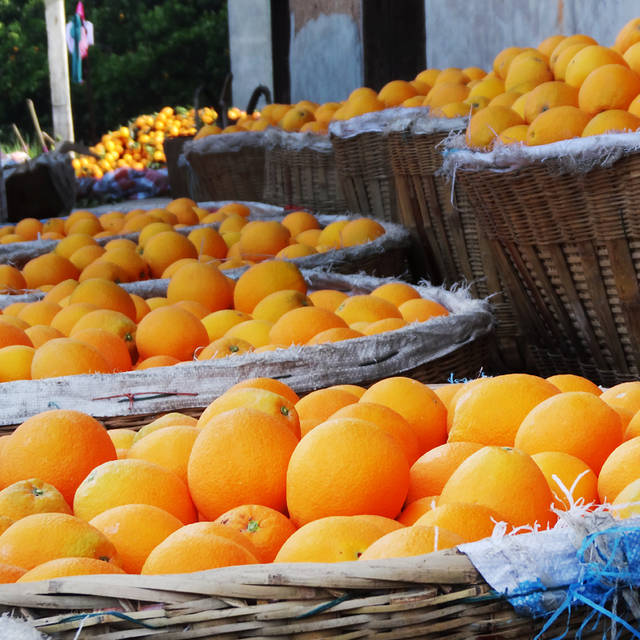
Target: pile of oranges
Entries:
(453, 462)
(140, 144)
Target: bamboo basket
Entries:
(566, 218)
(178, 173)
(300, 172)
(453, 245)
(229, 166)
(363, 162)
(454, 345)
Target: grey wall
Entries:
(250, 48)
(463, 33)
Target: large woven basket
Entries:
(178, 173)
(452, 240)
(454, 345)
(300, 172)
(566, 217)
(435, 596)
(363, 162)
(228, 166)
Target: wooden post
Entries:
(59, 70)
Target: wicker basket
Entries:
(228, 166)
(569, 226)
(363, 162)
(453, 244)
(431, 351)
(300, 172)
(178, 173)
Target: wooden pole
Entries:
(59, 70)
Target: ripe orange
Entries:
(527, 70)
(113, 348)
(421, 310)
(320, 405)
(64, 567)
(548, 95)
(183, 208)
(470, 521)
(170, 331)
(119, 482)
(360, 231)
(571, 382)
(329, 299)
(129, 260)
(335, 334)
(49, 268)
(134, 543)
(612, 120)
(627, 36)
(240, 457)
(204, 283)
(395, 292)
(416, 403)
(164, 248)
(576, 422)
(557, 123)
(85, 255)
(299, 221)
(366, 308)
(338, 468)
(171, 419)
(105, 295)
(10, 335)
(67, 357)
(299, 325)
(15, 362)
(223, 347)
(413, 510)
(11, 279)
(270, 384)
(10, 573)
(490, 411)
(488, 123)
(412, 541)
(619, 469)
(266, 528)
(114, 322)
(24, 497)
(611, 86)
(198, 547)
(625, 395)
(499, 478)
(627, 504)
(276, 304)
(262, 239)
(24, 545)
(156, 361)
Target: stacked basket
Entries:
(565, 215)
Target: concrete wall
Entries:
(250, 48)
(463, 33)
(326, 54)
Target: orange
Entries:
(360, 231)
(504, 99)
(63, 567)
(295, 251)
(570, 41)
(15, 362)
(499, 478)
(295, 118)
(329, 299)
(231, 223)
(156, 361)
(39, 334)
(488, 87)
(10, 573)
(84, 256)
(502, 61)
(203, 283)
(388, 420)
(395, 292)
(381, 326)
(40, 312)
(632, 57)
(330, 539)
(131, 261)
(198, 547)
(488, 123)
(236, 207)
(338, 467)
(55, 225)
(255, 332)
(262, 239)
(264, 278)
(69, 245)
(90, 226)
(112, 221)
(330, 236)
(134, 543)
(183, 208)
(445, 93)
(446, 392)
(120, 243)
(196, 308)
(24, 545)
(572, 382)
(490, 412)
(619, 469)
(132, 481)
(170, 331)
(10, 334)
(416, 403)
(612, 120)
(309, 237)
(633, 427)
(61, 291)
(137, 223)
(115, 322)
(319, 405)
(421, 310)
(548, 95)
(67, 357)
(28, 228)
(627, 504)
(149, 231)
(335, 334)
(173, 418)
(104, 270)
(560, 63)
(58, 446)
(547, 46)
(269, 402)
(611, 86)
(576, 422)
(625, 395)
(627, 36)
(299, 325)
(113, 348)
(324, 113)
(276, 304)
(164, 248)
(105, 295)
(413, 510)
(586, 60)
(122, 438)
(557, 123)
(470, 521)
(366, 308)
(266, 528)
(208, 242)
(223, 347)
(219, 322)
(24, 497)
(395, 92)
(430, 472)
(576, 477)
(411, 541)
(299, 221)
(11, 279)
(428, 76)
(240, 457)
(527, 70)
(48, 268)
(269, 384)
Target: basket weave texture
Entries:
(229, 166)
(453, 245)
(573, 240)
(300, 172)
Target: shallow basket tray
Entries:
(454, 345)
(452, 243)
(229, 166)
(566, 215)
(300, 172)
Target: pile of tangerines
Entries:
(343, 473)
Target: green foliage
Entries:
(148, 54)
